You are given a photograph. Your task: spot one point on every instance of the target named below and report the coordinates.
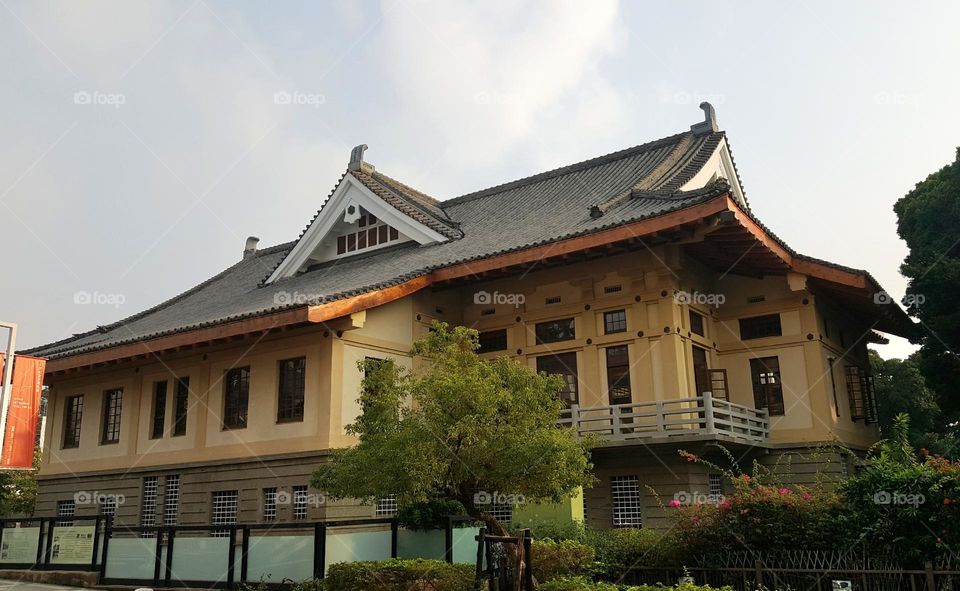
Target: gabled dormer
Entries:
(367, 211)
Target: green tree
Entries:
(461, 428)
(902, 389)
(928, 220)
(18, 490)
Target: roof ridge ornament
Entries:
(356, 160)
(709, 123)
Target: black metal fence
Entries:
(62, 543)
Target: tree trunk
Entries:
(514, 551)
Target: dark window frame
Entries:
(72, 421)
(181, 406)
(618, 374)
(555, 331)
(496, 340)
(159, 418)
(615, 321)
(559, 364)
(760, 327)
(767, 385)
(291, 388)
(698, 323)
(112, 415)
(236, 398)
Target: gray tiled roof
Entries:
(635, 183)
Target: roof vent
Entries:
(709, 123)
(356, 160)
(250, 248)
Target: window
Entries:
(564, 365)
(493, 340)
(625, 491)
(618, 374)
(300, 501)
(159, 409)
(860, 391)
(112, 407)
(180, 405)
(270, 504)
(758, 327)
(701, 371)
(767, 389)
(555, 331)
(148, 502)
(831, 362)
(715, 482)
(236, 396)
(372, 232)
(290, 403)
(108, 504)
(697, 324)
(844, 466)
(72, 419)
(614, 321)
(171, 499)
(502, 513)
(223, 510)
(66, 509)
(386, 506)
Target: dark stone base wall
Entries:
(197, 485)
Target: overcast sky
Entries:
(141, 143)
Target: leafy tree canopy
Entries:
(459, 428)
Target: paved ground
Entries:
(7, 585)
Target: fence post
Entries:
(448, 541)
(479, 575)
(708, 411)
(168, 568)
(157, 563)
(394, 534)
(319, 550)
(52, 525)
(528, 556)
(231, 555)
(244, 551)
(107, 532)
(758, 570)
(40, 540)
(96, 541)
(661, 419)
(931, 580)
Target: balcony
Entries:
(681, 419)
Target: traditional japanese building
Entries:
(678, 320)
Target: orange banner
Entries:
(20, 435)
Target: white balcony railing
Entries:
(699, 416)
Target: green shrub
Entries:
(557, 531)
(430, 514)
(617, 550)
(399, 575)
(555, 559)
(576, 584)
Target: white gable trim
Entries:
(720, 164)
(350, 190)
